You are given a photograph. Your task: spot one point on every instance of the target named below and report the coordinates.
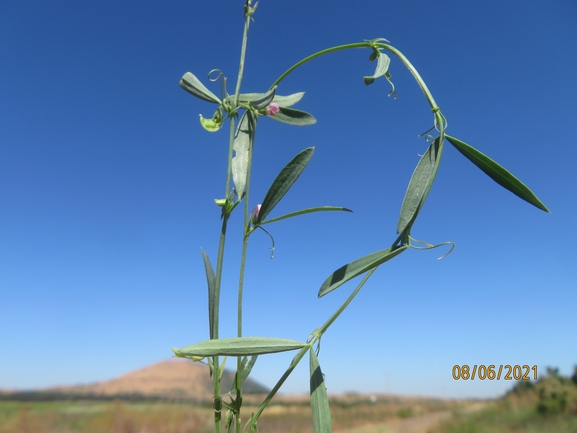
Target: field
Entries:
(547, 405)
(350, 414)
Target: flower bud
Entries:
(254, 214)
(272, 109)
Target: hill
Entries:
(173, 379)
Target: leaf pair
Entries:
(382, 69)
(192, 85)
(283, 182)
(280, 186)
(285, 115)
(417, 191)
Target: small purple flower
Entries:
(254, 213)
(272, 109)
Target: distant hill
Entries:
(174, 379)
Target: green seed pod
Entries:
(209, 124)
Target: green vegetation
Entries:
(548, 405)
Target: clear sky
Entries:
(107, 184)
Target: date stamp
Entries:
(490, 372)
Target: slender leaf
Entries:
(247, 367)
(242, 141)
(319, 397)
(293, 117)
(419, 186)
(191, 84)
(242, 346)
(266, 99)
(383, 62)
(497, 172)
(305, 211)
(283, 101)
(210, 279)
(358, 267)
(285, 179)
(247, 97)
(287, 101)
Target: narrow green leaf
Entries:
(285, 179)
(242, 346)
(247, 368)
(266, 99)
(283, 101)
(319, 397)
(242, 141)
(305, 211)
(497, 172)
(293, 117)
(191, 84)
(383, 62)
(419, 186)
(287, 101)
(358, 267)
(210, 279)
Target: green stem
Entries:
(245, 238)
(238, 383)
(215, 360)
(242, 57)
(366, 44)
(316, 335)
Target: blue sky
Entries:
(107, 184)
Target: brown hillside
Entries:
(172, 379)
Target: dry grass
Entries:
(120, 417)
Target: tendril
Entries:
(426, 132)
(430, 246)
(219, 76)
(272, 239)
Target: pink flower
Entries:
(272, 109)
(254, 213)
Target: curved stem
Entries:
(366, 44)
(412, 70)
(318, 54)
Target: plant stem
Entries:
(316, 336)
(215, 359)
(242, 57)
(238, 384)
(366, 44)
(239, 366)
